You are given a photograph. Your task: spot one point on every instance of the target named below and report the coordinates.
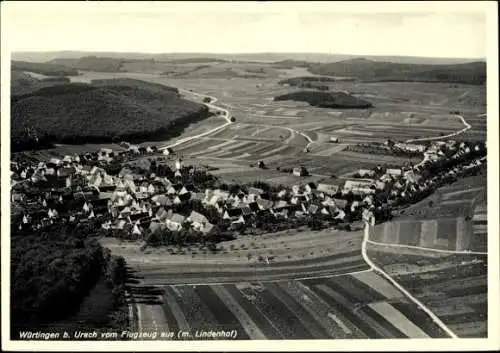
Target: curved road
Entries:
(210, 105)
(467, 127)
(380, 271)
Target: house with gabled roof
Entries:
(282, 194)
(155, 226)
(328, 201)
(313, 209)
(143, 187)
(366, 173)
(55, 161)
(182, 198)
(254, 207)
(368, 200)
(239, 220)
(161, 200)
(171, 190)
(297, 189)
(212, 201)
(310, 187)
(245, 209)
(327, 189)
(358, 187)
(395, 172)
(207, 228)
(300, 171)
(299, 199)
(197, 220)
(278, 205)
(119, 224)
(280, 212)
(255, 191)
(18, 197)
(197, 196)
(340, 214)
(174, 221)
(232, 213)
(264, 204)
(134, 217)
(161, 214)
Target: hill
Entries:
(196, 60)
(311, 80)
(248, 57)
(104, 111)
(368, 70)
(48, 69)
(22, 82)
(338, 100)
(92, 63)
(290, 64)
(130, 82)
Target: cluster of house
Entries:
(139, 203)
(155, 211)
(405, 180)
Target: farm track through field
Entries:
(462, 252)
(466, 124)
(377, 269)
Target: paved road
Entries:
(380, 271)
(435, 138)
(213, 100)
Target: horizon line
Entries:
(245, 53)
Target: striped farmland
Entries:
(452, 234)
(361, 305)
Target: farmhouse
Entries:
(394, 172)
(327, 189)
(365, 173)
(358, 187)
(300, 171)
(410, 147)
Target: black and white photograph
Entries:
(250, 175)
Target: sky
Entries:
(357, 29)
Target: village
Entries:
(140, 192)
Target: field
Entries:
(458, 210)
(443, 233)
(295, 253)
(361, 305)
(454, 287)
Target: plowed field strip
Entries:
(262, 321)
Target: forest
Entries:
(105, 111)
(326, 99)
(54, 269)
(48, 69)
(367, 70)
(92, 63)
